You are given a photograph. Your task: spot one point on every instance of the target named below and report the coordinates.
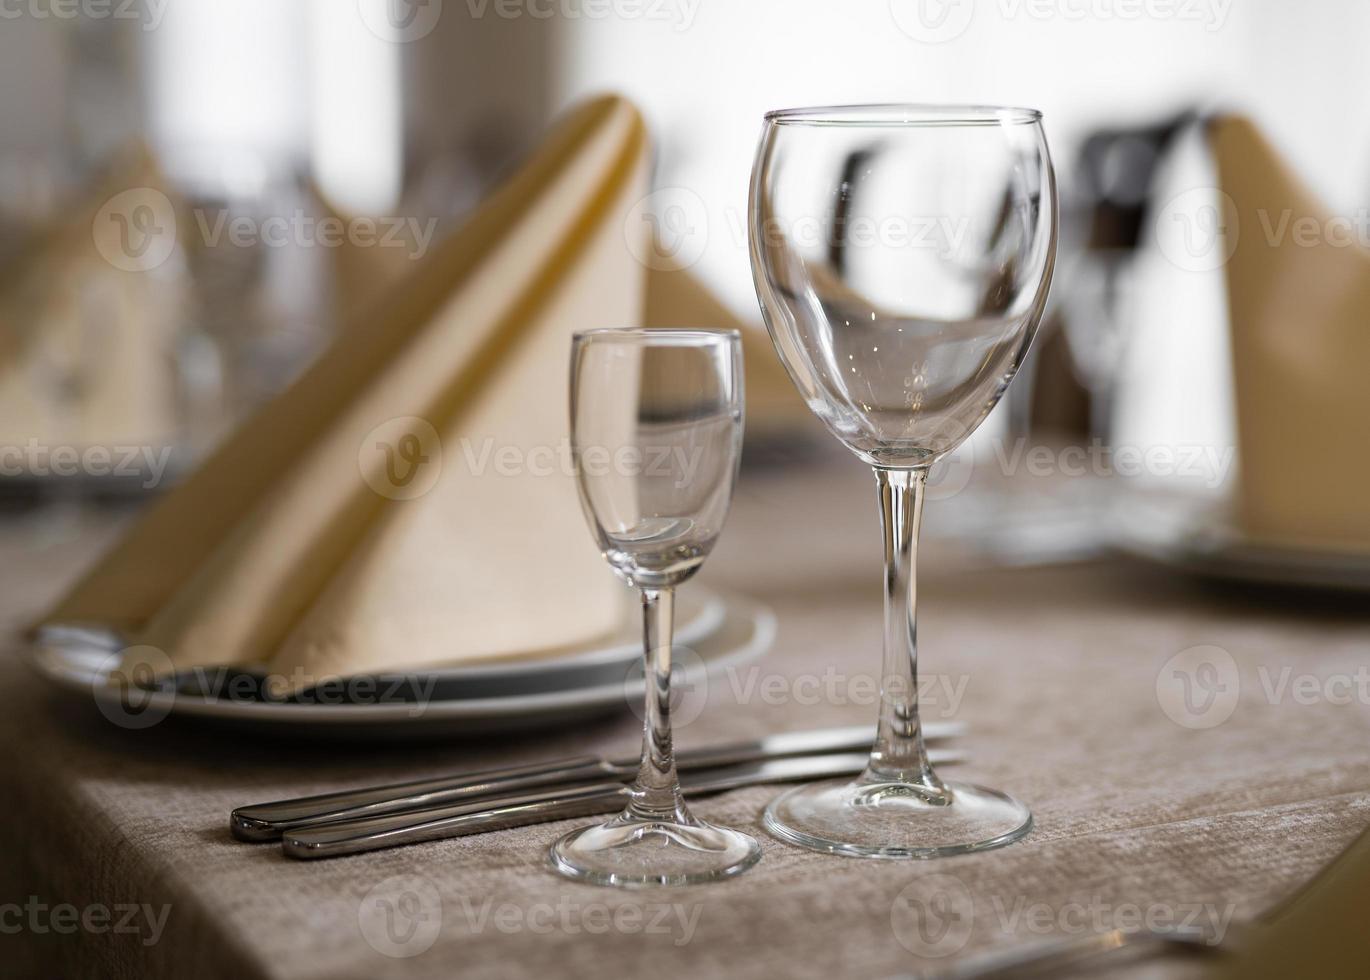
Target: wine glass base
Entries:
(896, 820)
(634, 853)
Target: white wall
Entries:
(706, 75)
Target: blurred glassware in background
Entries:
(1116, 173)
(261, 109)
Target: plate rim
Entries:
(763, 628)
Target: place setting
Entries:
(656, 426)
(871, 459)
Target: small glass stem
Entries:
(656, 795)
(898, 754)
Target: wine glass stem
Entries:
(898, 754)
(656, 795)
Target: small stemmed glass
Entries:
(902, 256)
(656, 435)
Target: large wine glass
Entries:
(902, 256)
(656, 432)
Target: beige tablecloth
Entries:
(1055, 671)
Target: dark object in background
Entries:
(1117, 169)
(1113, 201)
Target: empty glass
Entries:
(902, 256)
(656, 434)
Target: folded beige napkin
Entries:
(404, 503)
(1298, 286)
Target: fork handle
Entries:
(394, 830)
(267, 821)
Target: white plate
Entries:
(531, 699)
(1199, 536)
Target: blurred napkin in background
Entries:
(676, 298)
(89, 323)
(358, 522)
(1299, 299)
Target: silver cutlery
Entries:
(397, 829)
(262, 822)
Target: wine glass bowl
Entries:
(902, 257)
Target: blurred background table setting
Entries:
(291, 502)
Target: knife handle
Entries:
(267, 821)
(397, 829)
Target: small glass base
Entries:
(635, 853)
(877, 819)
